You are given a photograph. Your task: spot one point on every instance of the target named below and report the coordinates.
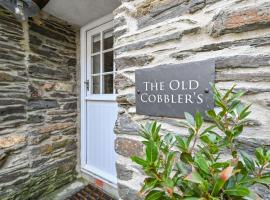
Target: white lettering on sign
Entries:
(174, 85)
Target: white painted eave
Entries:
(81, 12)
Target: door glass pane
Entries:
(108, 62)
(95, 64)
(96, 43)
(95, 84)
(108, 84)
(108, 40)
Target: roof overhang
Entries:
(80, 12)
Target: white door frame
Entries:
(83, 59)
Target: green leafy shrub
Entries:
(194, 167)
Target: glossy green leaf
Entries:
(181, 143)
(151, 152)
(201, 163)
(252, 196)
(190, 119)
(244, 113)
(237, 191)
(169, 138)
(181, 168)
(211, 114)
(149, 183)
(211, 178)
(139, 161)
(219, 165)
(155, 195)
(248, 162)
(236, 95)
(186, 157)
(217, 186)
(229, 92)
(194, 177)
(208, 129)
(198, 120)
(264, 180)
(238, 130)
(259, 153)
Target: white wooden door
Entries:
(100, 105)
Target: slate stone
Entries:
(60, 95)
(126, 99)
(262, 190)
(12, 118)
(47, 32)
(34, 92)
(70, 131)
(59, 28)
(8, 56)
(12, 176)
(244, 76)
(121, 82)
(118, 22)
(32, 119)
(243, 61)
(3, 157)
(131, 61)
(48, 73)
(55, 127)
(70, 106)
(6, 77)
(25, 100)
(125, 125)
(72, 62)
(196, 5)
(42, 104)
(149, 42)
(35, 40)
(47, 53)
(175, 36)
(123, 173)
(11, 102)
(71, 146)
(7, 110)
(119, 33)
(35, 59)
(128, 147)
(65, 118)
(125, 192)
(248, 18)
(153, 12)
(254, 42)
(40, 161)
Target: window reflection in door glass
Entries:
(96, 43)
(108, 40)
(108, 61)
(95, 64)
(108, 84)
(95, 84)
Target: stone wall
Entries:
(37, 106)
(148, 33)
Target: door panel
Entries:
(101, 157)
(101, 107)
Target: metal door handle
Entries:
(87, 84)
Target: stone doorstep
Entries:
(67, 190)
(97, 181)
(84, 189)
(91, 192)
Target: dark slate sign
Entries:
(171, 90)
